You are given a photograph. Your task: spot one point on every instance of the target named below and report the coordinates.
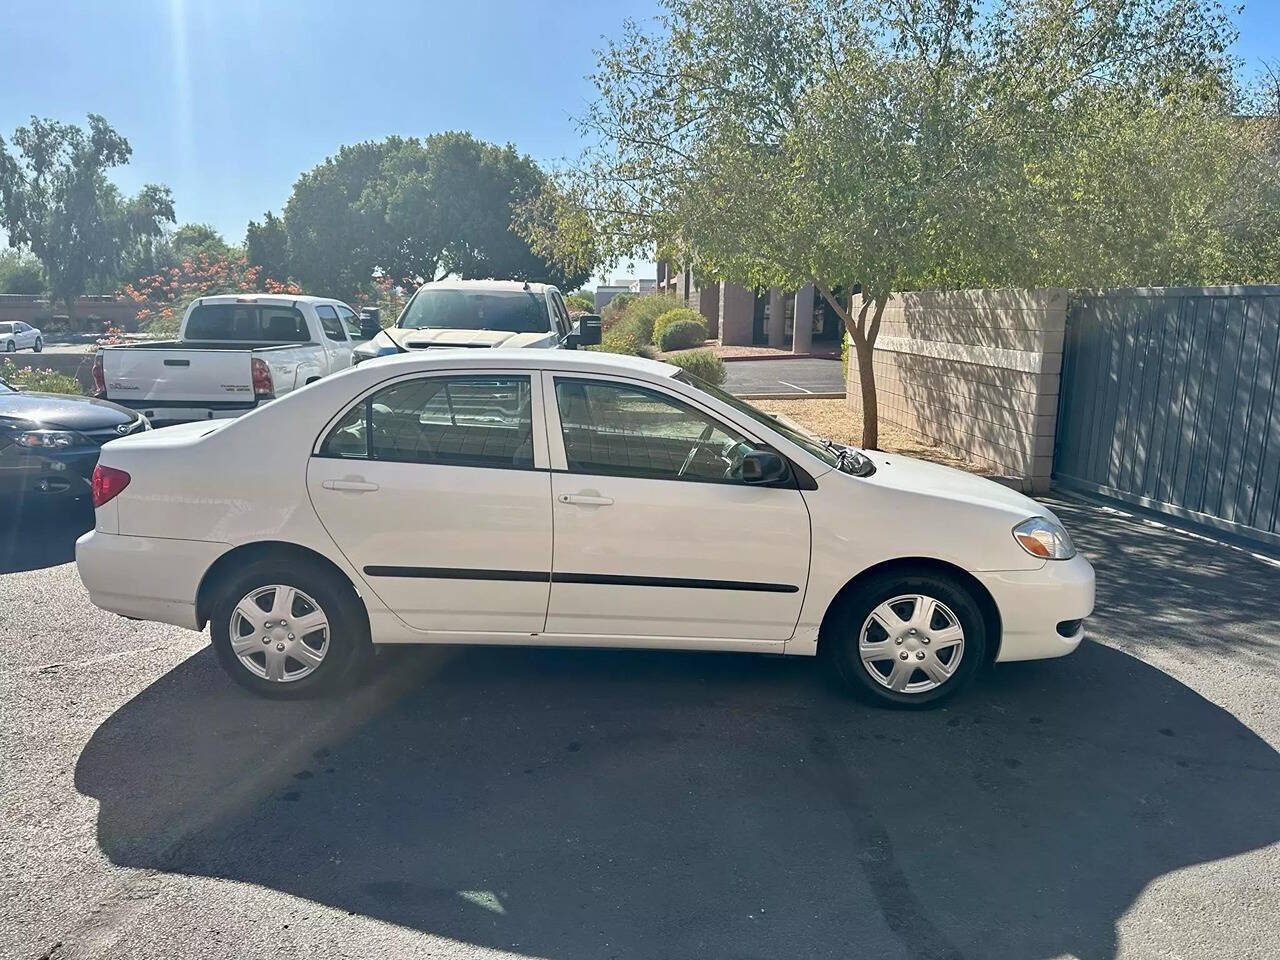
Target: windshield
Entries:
(513, 311)
(848, 459)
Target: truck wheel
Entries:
(289, 630)
(906, 640)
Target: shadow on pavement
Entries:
(590, 804)
(41, 535)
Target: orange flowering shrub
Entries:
(162, 297)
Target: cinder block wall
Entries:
(975, 371)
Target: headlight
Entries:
(1045, 539)
(48, 439)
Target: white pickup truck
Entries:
(232, 354)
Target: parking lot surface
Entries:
(612, 804)
(765, 377)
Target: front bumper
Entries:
(1033, 602)
(147, 578)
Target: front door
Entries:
(655, 537)
(435, 488)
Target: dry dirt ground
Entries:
(840, 422)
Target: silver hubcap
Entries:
(279, 633)
(911, 644)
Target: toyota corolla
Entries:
(562, 498)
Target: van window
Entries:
(247, 322)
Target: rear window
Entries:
(268, 323)
(514, 311)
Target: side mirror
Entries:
(587, 333)
(761, 467)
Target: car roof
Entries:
(265, 298)
(517, 358)
(486, 285)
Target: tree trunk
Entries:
(867, 379)
(71, 312)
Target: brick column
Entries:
(737, 314)
(802, 335)
(777, 318)
(708, 304)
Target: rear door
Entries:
(654, 538)
(436, 489)
(337, 344)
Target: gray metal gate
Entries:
(1170, 400)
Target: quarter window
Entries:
(329, 322)
(458, 421)
(619, 430)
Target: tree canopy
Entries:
(415, 210)
(56, 201)
(924, 143)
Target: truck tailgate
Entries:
(146, 374)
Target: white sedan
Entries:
(566, 498)
(16, 335)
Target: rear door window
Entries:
(247, 322)
(330, 323)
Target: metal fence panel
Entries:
(1169, 400)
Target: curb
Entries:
(783, 356)
(790, 396)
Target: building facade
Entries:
(741, 316)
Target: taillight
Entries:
(107, 484)
(262, 384)
(99, 378)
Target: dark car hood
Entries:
(63, 412)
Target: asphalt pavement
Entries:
(585, 805)
(767, 377)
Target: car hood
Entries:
(408, 338)
(63, 412)
(947, 483)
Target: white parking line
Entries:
(794, 386)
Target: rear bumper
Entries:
(168, 412)
(148, 578)
(1033, 603)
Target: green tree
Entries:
(193, 239)
(20, 272)
(56, 200)
(872, 147)
(266, 247)
(416, 210)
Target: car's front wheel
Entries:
(39, 345)
(289, 630)
(906, 639)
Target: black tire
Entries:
(39, 345)
(349, 648)
(839, 643)
(10, 347)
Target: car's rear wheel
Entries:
(39, 345)
(907, 639)
(10, 347)
(289, 630)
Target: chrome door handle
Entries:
(586, 499)
(355, 486)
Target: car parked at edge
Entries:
(16, 335)
(483, 313)
(232, 353)
(583, 499)
(49, 442)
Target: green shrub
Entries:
(647, 309)
(648, 351)
(580, 303)
(673, 316)
(38, 381)
(613, 310)
(684, 334)
(702, 364)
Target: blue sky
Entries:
(227, 101)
